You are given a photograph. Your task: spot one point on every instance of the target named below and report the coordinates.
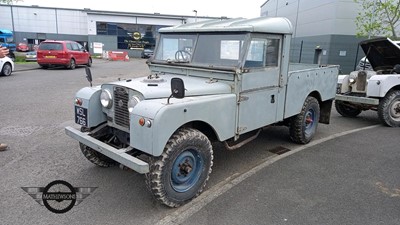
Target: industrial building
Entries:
(324, 30)
(97, 30)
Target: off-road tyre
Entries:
(89, 64)
(95, 157)
(6, 70)
(389, 109)
(166, 179)
(72, 64)
(304, 125)
(346, 111)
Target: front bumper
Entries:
(118, 155)
(356, 99)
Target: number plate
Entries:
(81, 116)
(50, 56)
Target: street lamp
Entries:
(195, 14)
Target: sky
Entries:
(212, 8)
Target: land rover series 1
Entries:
(377, 89)
(210, 81)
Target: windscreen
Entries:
(201, 49)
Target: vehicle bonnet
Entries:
(382, 53)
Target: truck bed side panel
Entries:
(302, 83)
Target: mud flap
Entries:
(325, 111)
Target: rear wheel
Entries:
(181, 172)
(89, 64)
(72, 64)
(43, 66)
(389, 109)
(345, 110)
(6, 70)
(304, 125)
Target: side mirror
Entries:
(177, 88)
(89, 75)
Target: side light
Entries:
(142, 121)
(78, 101)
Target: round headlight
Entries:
(133, 102)
(106, 99)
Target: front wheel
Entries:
(181, 172)
(6, 70)
(345, 110)
(304, 125)
(94, 156)
(389, 109)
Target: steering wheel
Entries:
(182, 56)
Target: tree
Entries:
(378, 18)
(10, 2)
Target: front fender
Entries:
(219, 111)
(90, 97)
(380, 85)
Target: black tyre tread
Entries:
(154, 177)
(296, 125)
(89, 64)
(96, 158)
(383, 109)
(344, 111)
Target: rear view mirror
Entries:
(177, 88)
(89, 75)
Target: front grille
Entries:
(121, 113)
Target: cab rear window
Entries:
(50, 46)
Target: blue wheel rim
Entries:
(186, 170)
(309, 122)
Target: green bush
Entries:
(19, 58)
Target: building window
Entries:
(101, 28)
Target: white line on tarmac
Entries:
(184, 212)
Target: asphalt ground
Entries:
(352, 179)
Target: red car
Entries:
(22, 47)
(62, 53)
